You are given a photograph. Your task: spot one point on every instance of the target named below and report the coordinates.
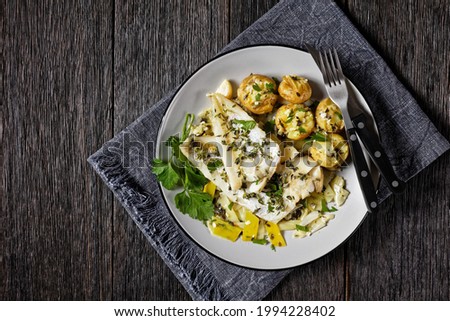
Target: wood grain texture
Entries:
(56, 213)
(75, 74)
(157, 45)
(244, 13)
(402, 252)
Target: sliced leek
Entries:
(251, 227)
(224, 229)
(210, 188)
(275, 236)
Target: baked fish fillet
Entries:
(240, 158)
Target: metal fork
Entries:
(337, 90)
(333, 72)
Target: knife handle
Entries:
(362, 172)
(377, 154)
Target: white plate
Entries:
(274, 61)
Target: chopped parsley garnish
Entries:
(317, 136)
(270, 87)
(301, 130)
(258, 97)
(338, 115)
(260, 241)
(290, 116)
(246, 124)
(230, 206)
(326, 209)
(275, 189)
(214, 164)
(273, 248)
(256, 87)
(301, 228)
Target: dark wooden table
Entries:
(77, 72)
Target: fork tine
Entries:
(324, 71)
(333, 68)
(329, 70)
(338, 65)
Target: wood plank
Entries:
(401, 253)
(57, 239)
(244, 13)
(157, 45)
(57, 111)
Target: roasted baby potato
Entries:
(296, 121)
(295, 89)
(257, 93)
(330, 153)
(329, 116)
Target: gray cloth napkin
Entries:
(410, 139)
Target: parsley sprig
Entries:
(178, 171)
(166, 173)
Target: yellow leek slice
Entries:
(275, 236)
(210, 188)
(221, 228)
(251, 226)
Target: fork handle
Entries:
(362, 172)
(377, 154)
